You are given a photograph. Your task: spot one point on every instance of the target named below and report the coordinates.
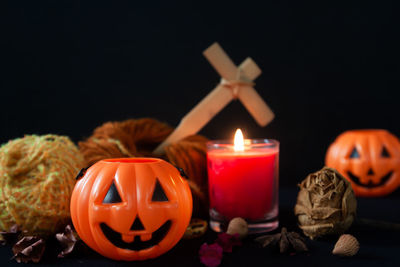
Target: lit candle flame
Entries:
(238, 143)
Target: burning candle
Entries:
(243, 182)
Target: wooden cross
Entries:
(236, 82)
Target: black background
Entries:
(69, 66)
(327, 67)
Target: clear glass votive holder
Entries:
(244, 184)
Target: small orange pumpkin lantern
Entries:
(132, 208)
(369, 159)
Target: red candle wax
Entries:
(242, 183)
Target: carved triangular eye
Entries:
(385, 153)
(354, 154)
(159, 194)
(112, 195)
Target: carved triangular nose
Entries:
(137, 225)
(370, 172)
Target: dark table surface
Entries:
(378, 247)
(329, 66)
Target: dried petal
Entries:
(29, 248)
(227, 241)
(67, 240)
(211, 255)
(11, 236)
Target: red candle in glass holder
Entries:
(243, 182)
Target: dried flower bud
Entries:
(325, 204)
(238, 226)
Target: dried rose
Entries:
(325, 204)
(211, 255)
(227, 241)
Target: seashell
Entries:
(346, 246)
(238, 226)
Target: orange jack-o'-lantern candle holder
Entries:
(132, 208)
(369, 159)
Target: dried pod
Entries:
(238, 226)
(286, 241)
(325, 204)
(196, 228)
(346, 246)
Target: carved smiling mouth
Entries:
(356, 180)
(137, 244)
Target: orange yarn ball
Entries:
(139, 137)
